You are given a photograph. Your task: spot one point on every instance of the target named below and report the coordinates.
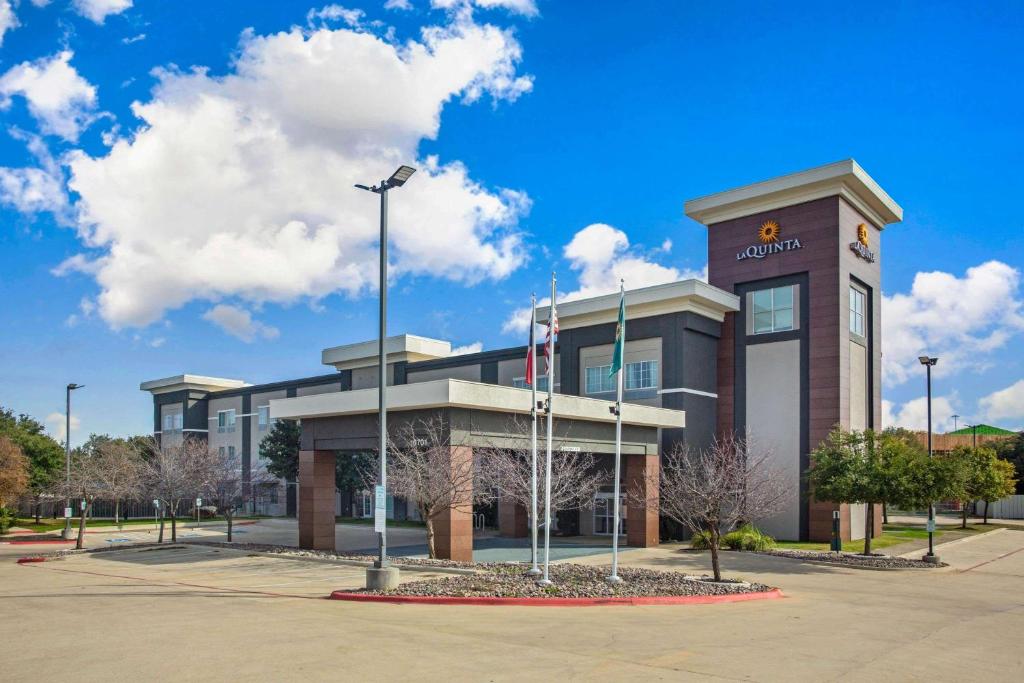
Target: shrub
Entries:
(701, 541)
(7, 517)
(748, 537)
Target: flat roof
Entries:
(409, 347)
(178, 382)
(455, 393)
(672, 297)
(843, 178)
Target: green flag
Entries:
(620, 337)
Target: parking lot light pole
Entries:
(397, 179)
(929, 362)
(67, 458)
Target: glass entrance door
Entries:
(604, 513)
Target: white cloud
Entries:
(962, 320)
(34, 189)
(239, 322)
(85, 310)
(58, 98)
(475, 347)
(98, 10)
(1005, 404)
(398, 4)
(133, 39)
(8, 20)
(327, 13)
(57, 423)
(914, 414)
(158, 342)
(602, 256)
(241, 186)
(527, 8)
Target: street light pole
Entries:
(397, 179)
(928, 362)
(67, 457)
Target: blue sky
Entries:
(212, 229)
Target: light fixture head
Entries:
(399, 177)
(73, 386)
(925, 360)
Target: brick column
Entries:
(453, 528)
(316, 500)
(642, 472)
(513, 520)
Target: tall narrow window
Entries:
(858, 302)
(772, 310)
(263, 418)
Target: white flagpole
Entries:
(547, 465)
(534, 570)
(615, 578)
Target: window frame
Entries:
(263, 417)
(773, 310)
(859, 295)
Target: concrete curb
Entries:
(45, 542)
(772, 594)
(948, 544)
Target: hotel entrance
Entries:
(604, 514)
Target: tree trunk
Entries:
(229, 516)
(986, 513)
(430, 538)
(963, 516)
(38, 508)
(117, 513)
(885, 513)
(80, 542)
(869, 528)
(174, 527)
(160, 539)
(716, 567)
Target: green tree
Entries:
(1012, 451)
(863, 467)
(998, 481)
(45, 455)
(280, 449)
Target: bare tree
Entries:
(118, 467)
(175, 474)
(715, 489)
(224, 485)
(84, 486)
(423, 469)
(575, 477)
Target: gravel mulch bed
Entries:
(291, 551)
(855, 559)
(570, 581)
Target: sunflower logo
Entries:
(769, 232)
(862, 234)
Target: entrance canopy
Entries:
(478, 414)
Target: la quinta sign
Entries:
(769, 234)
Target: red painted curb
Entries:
(27, 560)
(772, 594)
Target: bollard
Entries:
(837, 542)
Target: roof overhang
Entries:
(845, 179)
(167, 385)
(403, 347)
(673, 297)
(454, 393)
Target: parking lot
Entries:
(216, 614)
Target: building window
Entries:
(542, 383)
(178, 422)
(641, 375)
(220, 451)
(263, 417)
(231, 451)
(604, 514)
(858, 304)
(772, 309)
(168, 423)
(598, 381)
(225, 421)
(367, 506)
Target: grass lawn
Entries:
(57, 525)
(391, 522)
(892, 534)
